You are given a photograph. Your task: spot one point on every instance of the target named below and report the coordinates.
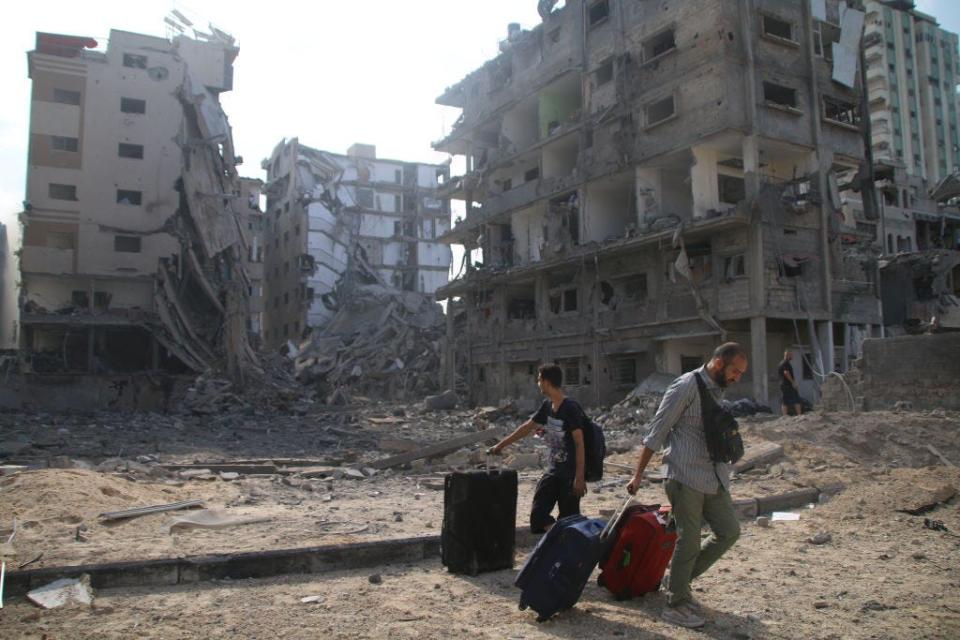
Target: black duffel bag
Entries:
(720, 428)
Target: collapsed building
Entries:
(133, 244)
(335, 222)
(645, 179)
(921, 291)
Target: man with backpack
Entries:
(562, 422)
(698, 486)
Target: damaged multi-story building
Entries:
(133, 245)
(912, 70)
(334, 221)
(645, 179)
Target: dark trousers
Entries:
(552, 490)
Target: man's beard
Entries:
(720, 379)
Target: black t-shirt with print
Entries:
(783, 368)
(558, 429)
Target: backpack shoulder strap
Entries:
(706, 399)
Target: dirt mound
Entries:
(71, 496)
(872, 438)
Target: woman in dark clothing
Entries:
(788, 386)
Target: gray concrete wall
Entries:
(56, 393)
(923, 370)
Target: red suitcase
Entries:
(642, 550)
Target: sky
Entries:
(330, 73)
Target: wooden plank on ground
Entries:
(229, 467)
(757, 454)
(439, 449)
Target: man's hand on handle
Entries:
(633, 485)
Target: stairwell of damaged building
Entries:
(135, 233)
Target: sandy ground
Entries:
(53, 506)
(881, 576)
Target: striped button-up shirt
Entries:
(678, 424)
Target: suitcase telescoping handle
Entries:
(493, 456)
(615, 518)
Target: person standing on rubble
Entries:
(561, 420)
(789, 389)
(698, 488)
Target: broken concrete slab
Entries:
(61, 592)
(439, 449)
(211, 519)
(745, 507)
(757, 454)
(788, 500)
(927, 499)
(225, 467)
(446, 401)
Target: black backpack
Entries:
(720, 428)
(595, 445)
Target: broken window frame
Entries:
(700, 258)
(127, 244)
(769, 100)
(59, 191)
(830, 104)
(572, 372)
(564, 300)
(604, 72)
(632, 291)
(133, 198)
(625, 371)
(133, 105)
(649, 47)
(593, 19)
(65, 144)
(777, 37)
(130, 151)
(134, 61)
(732, 189)
(734, 267)
(67, 96)
(650, 124)
(825, 35)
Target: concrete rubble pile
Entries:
(380, 341)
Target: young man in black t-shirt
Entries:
(561, 420)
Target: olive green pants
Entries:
(690, 509)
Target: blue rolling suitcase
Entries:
(560, 566)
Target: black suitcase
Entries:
(479, 521)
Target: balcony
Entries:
(47, 260)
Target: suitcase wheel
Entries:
(542, 618)
(623, 595)
(523, 606)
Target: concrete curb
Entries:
(238, 566)
(306, 560)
